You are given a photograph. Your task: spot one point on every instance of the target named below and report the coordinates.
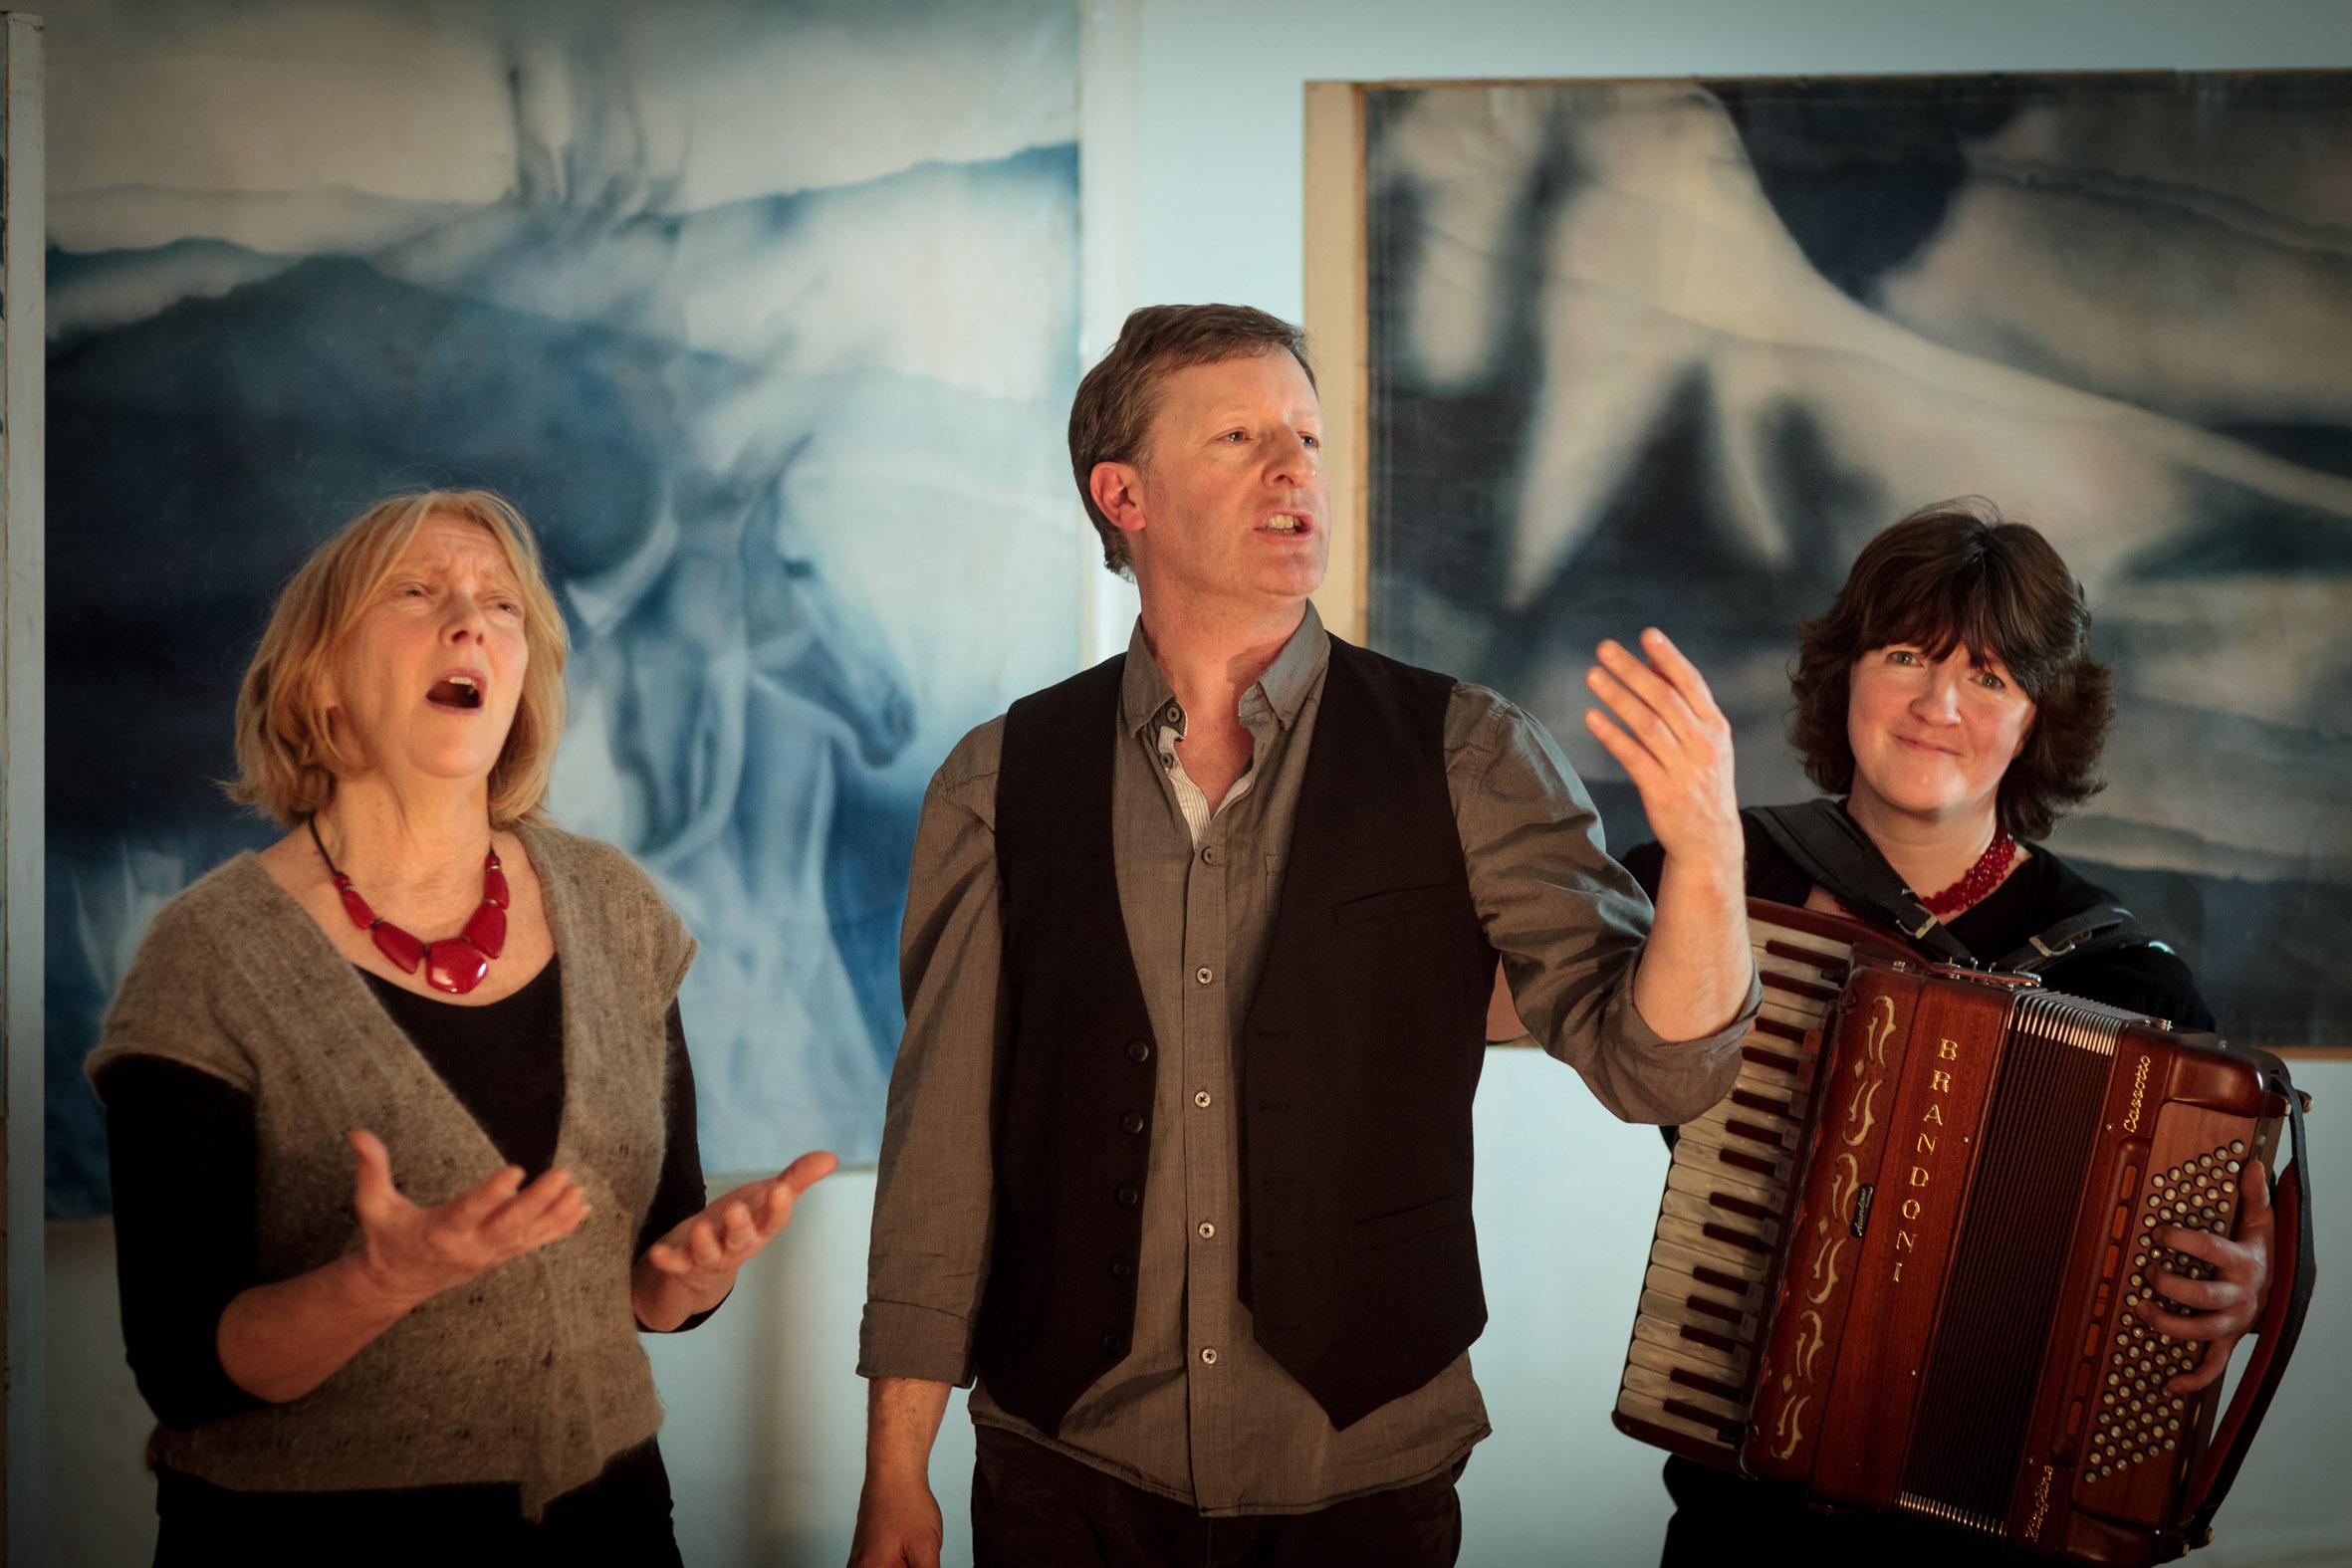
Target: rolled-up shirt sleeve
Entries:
(1568, 921)
(935, 1193)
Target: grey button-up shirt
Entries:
(1198, 1412)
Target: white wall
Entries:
(1197, 105)
(1218, 168)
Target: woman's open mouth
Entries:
(458, 693)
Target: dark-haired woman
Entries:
(1949, 695)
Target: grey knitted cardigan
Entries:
(531, 1374)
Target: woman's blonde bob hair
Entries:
(291, 752)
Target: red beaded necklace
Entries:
(453, 964)
(1981, 878)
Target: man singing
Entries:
(1198, 951)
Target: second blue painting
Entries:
(1670, 352)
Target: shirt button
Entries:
(1167, 759)
(1201, 1099)
(1204, 974)
(1132, 1121)
(1139, 1050)
(1109, 1341)
(1208, 1231)
(1209, 855)
(1209, 1355)
(1172, 715)
(1121, 1268)
(1128, 1197)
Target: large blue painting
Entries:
(764, 313)
(1671, 352)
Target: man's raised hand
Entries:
(1673, 743)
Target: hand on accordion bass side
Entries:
(2229, 1303)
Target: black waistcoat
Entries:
(1357, 1060)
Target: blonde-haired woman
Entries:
(400, 1118)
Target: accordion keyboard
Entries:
(1696, 1336)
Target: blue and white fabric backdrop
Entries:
(765, 315)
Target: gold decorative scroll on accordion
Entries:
(1904, 1264)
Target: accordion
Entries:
(1904, 1264)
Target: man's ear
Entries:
(1117, 489)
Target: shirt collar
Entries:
(1146, 698)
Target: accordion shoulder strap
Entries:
(1828, 847)
(2094, 930)
(2293, 1272)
